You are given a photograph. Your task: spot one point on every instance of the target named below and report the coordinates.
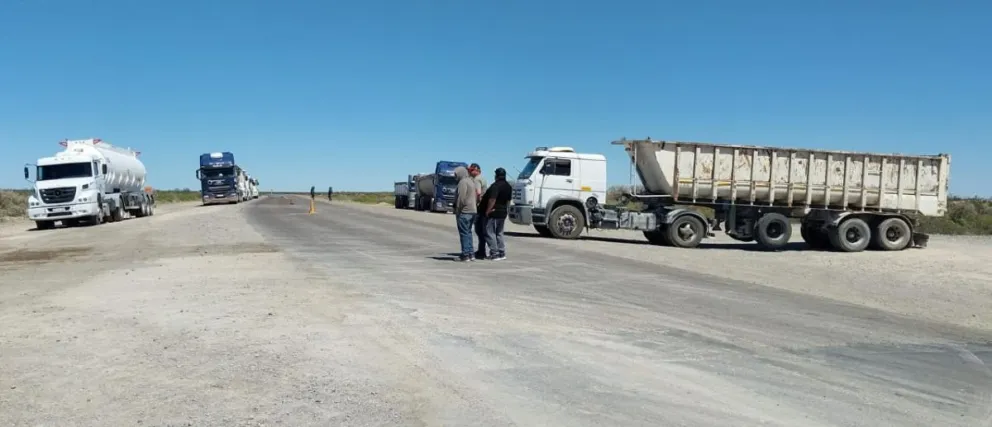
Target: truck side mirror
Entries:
(548, 168)
(27, 174)
(197, 174)
(103, 169)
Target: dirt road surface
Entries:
(259, 314)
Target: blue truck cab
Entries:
(445, 185)
(218, 176)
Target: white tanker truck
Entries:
(89, 181)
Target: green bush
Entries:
(971, 216)
(14, 203)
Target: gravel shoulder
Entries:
(950, 281)
(185, 318)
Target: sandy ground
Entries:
(259, 314)
(949, 281)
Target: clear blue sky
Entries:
(358, 94)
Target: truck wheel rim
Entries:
(893, 234)
(686, 233)
(566, 223)
(853, 235)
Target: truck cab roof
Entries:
(564, 153)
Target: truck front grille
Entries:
(58, 195)
(518, 196)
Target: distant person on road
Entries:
(313, 193)
(466, 210)
(330, 193)
(475, 171)
(496, 200)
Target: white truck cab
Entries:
(557, 186)
(67, 187)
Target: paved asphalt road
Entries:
(566, 337)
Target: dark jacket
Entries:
(502, 192)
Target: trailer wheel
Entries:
(772, 231)
(893, 234)
(686, 232)
(566, 222)
(658, 237)
(851, 235)
(815, 237)
(543, 231)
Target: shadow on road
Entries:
(742, 246)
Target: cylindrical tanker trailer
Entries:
(90, 181)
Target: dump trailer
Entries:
(845, 201)
(405, 192)
(89, 181)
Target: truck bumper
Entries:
(61, 212)
(526, 215)
(441, 205)
(212, 199)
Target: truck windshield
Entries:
(65, 170)
(530, 168)
(448, 180)
(217, 173)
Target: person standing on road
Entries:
(466, 209)
(330, 193)
(475, 171)
(497, 198)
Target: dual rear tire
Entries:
(855, 234)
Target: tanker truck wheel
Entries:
(117, 213)
(566, 222)
(543, 231)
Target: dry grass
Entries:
(13, 203)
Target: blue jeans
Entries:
(465, 222)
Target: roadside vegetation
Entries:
(13, 203)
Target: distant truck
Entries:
(845, 201)
(90, 181)
(405, 192)
(221, 180)
(252, 185)
(436, 191)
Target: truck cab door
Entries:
(558, 180)
(99, 175)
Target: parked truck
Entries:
(89, 181)
(221, 179)
(252, 187)
(845, 201)
(405, 192)
(436, 191)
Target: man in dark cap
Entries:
(475, 171)
(496, 199)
